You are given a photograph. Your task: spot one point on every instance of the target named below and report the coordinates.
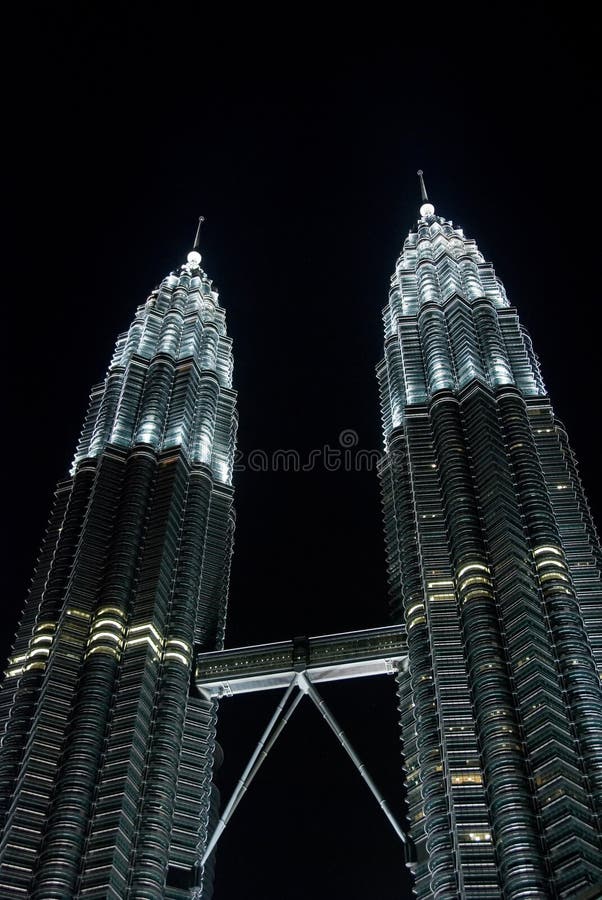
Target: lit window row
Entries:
(36, 656)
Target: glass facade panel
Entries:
(495, 569)
(106, 763)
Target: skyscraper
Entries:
(495, 569)
(105, 771)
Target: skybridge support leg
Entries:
(306, 686)
(265, 744)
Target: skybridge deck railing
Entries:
(331, 657)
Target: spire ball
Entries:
(194, 258)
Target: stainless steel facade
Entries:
(495, 570)
(106, 758)
(495, 577)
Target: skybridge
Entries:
(297, 666)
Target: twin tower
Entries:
(495, 585)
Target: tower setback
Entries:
(106, 760)
(495, 573)
(495, 569)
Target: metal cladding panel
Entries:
(495, 571)
(106, 762)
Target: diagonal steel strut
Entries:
(306, 685)
(264, 745)
(269, 738)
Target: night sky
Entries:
(298, 140)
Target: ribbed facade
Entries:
(106, 756)
(495, 569)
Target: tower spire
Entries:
(194, 257)
(197, 237)
(427, 209)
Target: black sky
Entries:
(298, 139)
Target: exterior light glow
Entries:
(194, 259)
(135, 629)
(133, 642)
(108, 650)
(547, 549)
(105, 635)
(174, 655)
(475, 479)
(479, 566)
(98, 623)
(107, 610)
(414, 608)
(175, 642)
(17, 659)
(39, 651)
